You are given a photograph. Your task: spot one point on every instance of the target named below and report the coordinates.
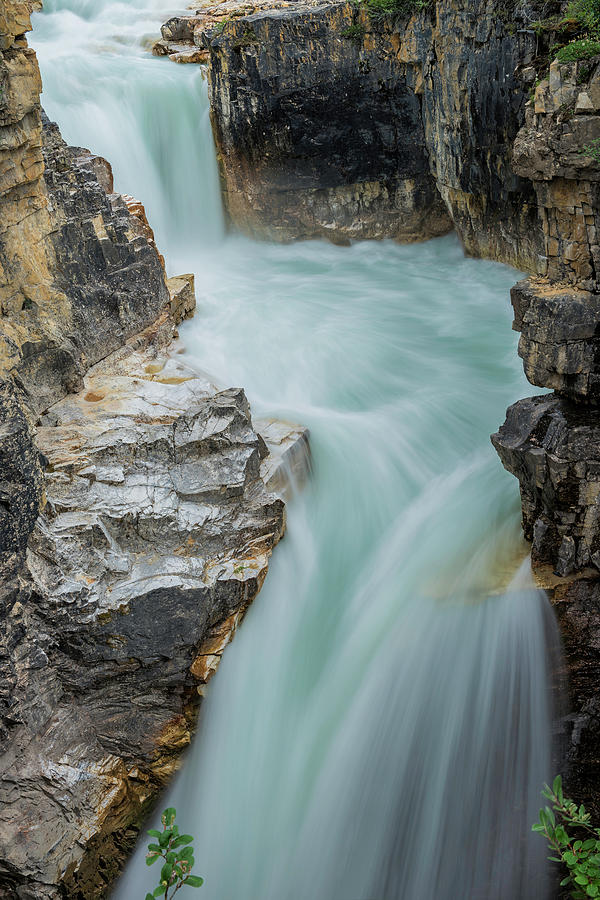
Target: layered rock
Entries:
(561, 121)
(78, 275)
(317, 135)
(154, 539)
(550, 442)
(333, 122)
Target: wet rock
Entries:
(577, 607)
(330, 123)
(154, 539)
(287, 465)
(134, 524)
(183, 297)
(559, 344)
(318, 135)
(553, 447)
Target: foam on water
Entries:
(380, 728)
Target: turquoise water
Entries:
(380, 728)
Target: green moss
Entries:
(221, 26)
(354, 33)
(379, 9)
(249, 37)
(584, 48)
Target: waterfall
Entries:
(381, 727)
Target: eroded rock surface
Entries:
(332, 122)
(551, 442)
(156, 533)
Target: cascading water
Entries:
(380, 728)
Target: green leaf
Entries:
(151, 858)
(581, 879)
(182, 839)
(154, 833)
(164, 839)
(592, 890)
(159, 891)
(194, 881)
(168, 816)
(557, 784)
(154, 847)
(171, 857)
(167, 869)
(149, 897)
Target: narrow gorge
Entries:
(352, 195)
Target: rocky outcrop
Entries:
(331, 121)
(317, 135)
(550, 442)
(78, 275)
(549, 150)
(135, 524)
(154, 539)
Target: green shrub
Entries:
(582, 49)
(177, 855)
(587, 14)
(579, 850)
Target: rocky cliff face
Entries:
(332, 122)
(135, 524)
(550, 442)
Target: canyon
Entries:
(140, 501)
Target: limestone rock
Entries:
(577, 607)
(332, 124)
(135, 530)
(183, 297)
(287, 466)
(553, 448)
(318, 135)
(154, 539)
(550, 151)
(559, 341)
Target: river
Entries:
(381, 727)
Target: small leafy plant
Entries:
(177, 855)
(581, 857)
(592, 150)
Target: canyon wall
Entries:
(333, 122)
(136, 516)
(551, 442)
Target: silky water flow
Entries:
(381, 727)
